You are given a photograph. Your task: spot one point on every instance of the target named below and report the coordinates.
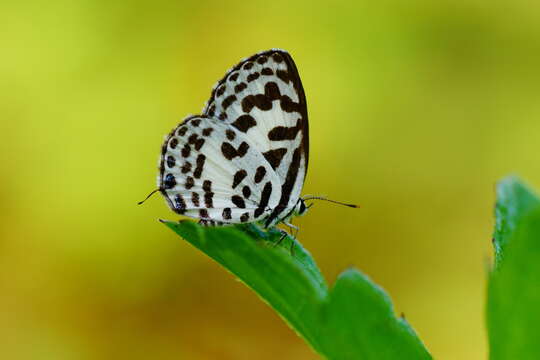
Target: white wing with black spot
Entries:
(211, 171)
(262, 97)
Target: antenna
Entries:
(152, 193)
(310, 197)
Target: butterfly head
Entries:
(301, 208)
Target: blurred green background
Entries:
(416, 109)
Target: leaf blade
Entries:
(514, 200)
(295, 288)
(366, 309)
(257, 269)
(513, 316)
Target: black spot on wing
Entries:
(238, 177)
(244, 217)
(230, 152)
(259, 101)
(192, 139)
(259, 174)
(288, 105)
(240, 87)
(275, 156)
(170, 181)
(211, 110)
(265, 198)
(195, 199)
(190, 182)
(283, 75)
(199, 143)
(182, 131)
(284, 133)
(200, 166)
(238, 201)
(246, 191)
(171, 161)
(277, 57)
(244, 122)
(186, 167)
(179, 204)
(220, 91)
(186, 150)
(228, 101)
(207, 131)
(271, 91)
(230, 134)
(208, 195)
(264, 101)
(253, 77)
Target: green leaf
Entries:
(353, 320)
(513, 311)
(514, 201)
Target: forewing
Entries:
(262, 97)
(211, 171)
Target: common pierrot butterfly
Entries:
(244, 159)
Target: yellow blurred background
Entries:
(416, 109)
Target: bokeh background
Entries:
(416, 109)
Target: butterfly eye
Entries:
(302, 209)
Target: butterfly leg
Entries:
(294, 228)
(284, 234)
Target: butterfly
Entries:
(245, 158)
